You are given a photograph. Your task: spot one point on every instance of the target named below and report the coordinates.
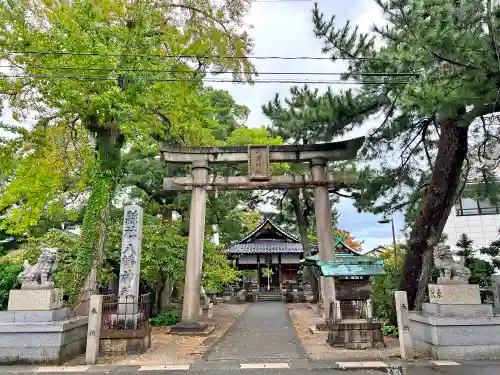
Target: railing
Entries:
(494, 210)
(355, 309)
(126, 313)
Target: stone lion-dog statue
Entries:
(450, 272)
(39, 275)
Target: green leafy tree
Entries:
(216, 268)
(431, 75)
(125, 99)
(383, 287)
(10, 267)
(481, 270)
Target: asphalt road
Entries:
(471, 368)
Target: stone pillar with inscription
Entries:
(130, 262)
(323, 213)
(405, 340)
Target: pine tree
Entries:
(432, 70)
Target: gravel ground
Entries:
(317, 348)
(168, 349)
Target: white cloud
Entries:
(286, 29)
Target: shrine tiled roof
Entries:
(268, 238)
(265, 248)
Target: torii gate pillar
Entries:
(194, 257)
(323, 213)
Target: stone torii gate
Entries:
(258, 158)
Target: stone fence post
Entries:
(94, 330)
(405, 341)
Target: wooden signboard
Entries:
(347, 290)
(258, 162)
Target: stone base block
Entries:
(188, 327)
(53, 342)
(464, 294)
(218, 300)
(468, 338)
(461, 311)
(227, 298)
(34, 316)
(362, 335)
(35, 299)
(207, 312)
(126, 341)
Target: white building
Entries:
(480, 220)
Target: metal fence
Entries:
(126, 313)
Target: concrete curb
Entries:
(300, 347)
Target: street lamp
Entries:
(387, 221)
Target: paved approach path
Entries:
(263, 331)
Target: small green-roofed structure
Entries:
(346, 265)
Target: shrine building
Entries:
(270, 247)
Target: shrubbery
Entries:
(10, 267)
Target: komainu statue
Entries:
(39, 275)
(450, 272)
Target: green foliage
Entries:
(267, 272)
(385, 286)
(481, 270)
(163, 248)
(167, 318)
(10, 267)
(217, 273)
(390, 331)
(68, 246)
(125, 101)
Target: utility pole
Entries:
(387, 221)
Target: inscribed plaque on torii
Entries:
(258, 162)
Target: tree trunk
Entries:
(435, 206)
(89, 260)
(424, 277)
(306, 246)
(165, 294)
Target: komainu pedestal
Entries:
(455, 325)
(36, 329)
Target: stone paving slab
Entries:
(263, 331)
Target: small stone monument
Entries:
(454, 324)
(36, 328)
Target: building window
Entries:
(469, 207)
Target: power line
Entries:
(158, 79)
(45, 67)
(214, 57)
